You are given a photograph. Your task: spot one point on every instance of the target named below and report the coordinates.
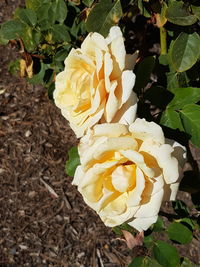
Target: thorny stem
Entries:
(163, 41)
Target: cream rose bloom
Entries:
(126, 172)
(97, 83)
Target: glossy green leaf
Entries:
(58, 11)
(172, 80)
(185, 51)
(184, 96)
(12, 29)
(103, 16)
(143, 72)
(171, 119)
(159, 225)
(144, 262)
(28, 16)
(187, 263)
(188, 222)
(166, 254)
(190, 116)
(179, 14)
(60, 33)
(179, 233)
(73, 161)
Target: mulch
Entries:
(43, 219)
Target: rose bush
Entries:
(126, 172)
(97, 83)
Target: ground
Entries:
(41, 227)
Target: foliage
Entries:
(167, 81)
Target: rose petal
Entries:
(112, 103)
(135, 195)
(92, 41)
(138, 159)
(128, 81)
(127, 113)
(141, 224)
(163, 154)
(110, 129)
(143, 129)
(152, 207)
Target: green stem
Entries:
(163, 41)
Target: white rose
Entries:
(97, 83)
(126, 172)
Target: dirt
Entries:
(43, 219)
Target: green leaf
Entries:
(163, 60)
(172, 80)
(143, 73)
(178, 13)
(159, 225)
(179, 233)
(185, 51)
(34, 4)
(143, 9)
(3, 41)
(187, 263)
(88, 3)
(31, 39)
(12, 29)
(58, 11)
(184, 96)
(148, 241)
(43, 12)
(166, 254)
(144, 262)
(28, 16)
(190, 116)
(188, 222)
(196, 11)
(62, 54)
(73, 161)
(14, 67)
(171, 119)
(44, 25)
(117, 230)
(180, 208)
(103, 16)
(60, 33)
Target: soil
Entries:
(43, 219)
